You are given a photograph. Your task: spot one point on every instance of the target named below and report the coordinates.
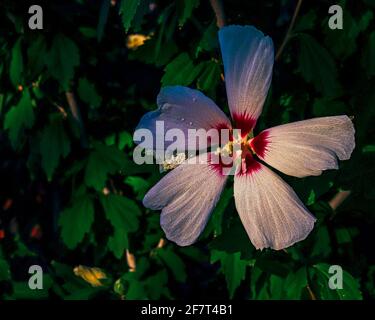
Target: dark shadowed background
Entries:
(70, 196)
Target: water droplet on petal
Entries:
(194, 99)
(190, 123)
(182, 119)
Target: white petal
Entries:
(184, 108)
(270, 211)
(187, 196)
(305, 148)
(248, 58)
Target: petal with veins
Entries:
(184, 108)
(270, 211)
(248, 58)
(187, 195)
(305, 148)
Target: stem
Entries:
(74, 109)
(338, 199)
(288, 33)
(217, 6)
(311, 293)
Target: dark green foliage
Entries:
(174, 263)
(317, 66)
(368, 62)
(185, 10)
(19, 118)
(102, 160)
(181, 71)
(76, 221)
(62, 58)
(71, 194)
(122, 213)
(16, 65)
(128, 9)
(54, 145)
(88, 94)
(232, 267)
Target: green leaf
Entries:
(343, 235)
(322, 246)
(62, 58)
(368, 61)
(1, 102)
(218, 214)
(194, 254)
(295, 283)
(128, 9)
(110, 140)
(21, 249)
(276, 287)
(123, 214)
(233, 240)
(133, 287)
(139, 185)
(343, 43)
(185, 10)
(22, 291)
(19, 118)
(148, 53)
(88, 94)
(317, 66)
(76, 220)
(233, 268)
(365, 20)
(312, 198)
(181, 71)
(4, 270)
(306, 22)
(103, 17)
(257, 282)
(142, 9)
(118, 243)
(368, 149)
(85, 293)
(136, 291)
(310, 189)
(103, 160)
(210, 77)
(157, 285)
(350, 289)
(36, 54)
(271, 262)
(54, 144)
(174, 263)
(324, 107)
(88, 32)
(125, 140)
(209, 40)
(16, 64)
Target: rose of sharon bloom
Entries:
(270, 211)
